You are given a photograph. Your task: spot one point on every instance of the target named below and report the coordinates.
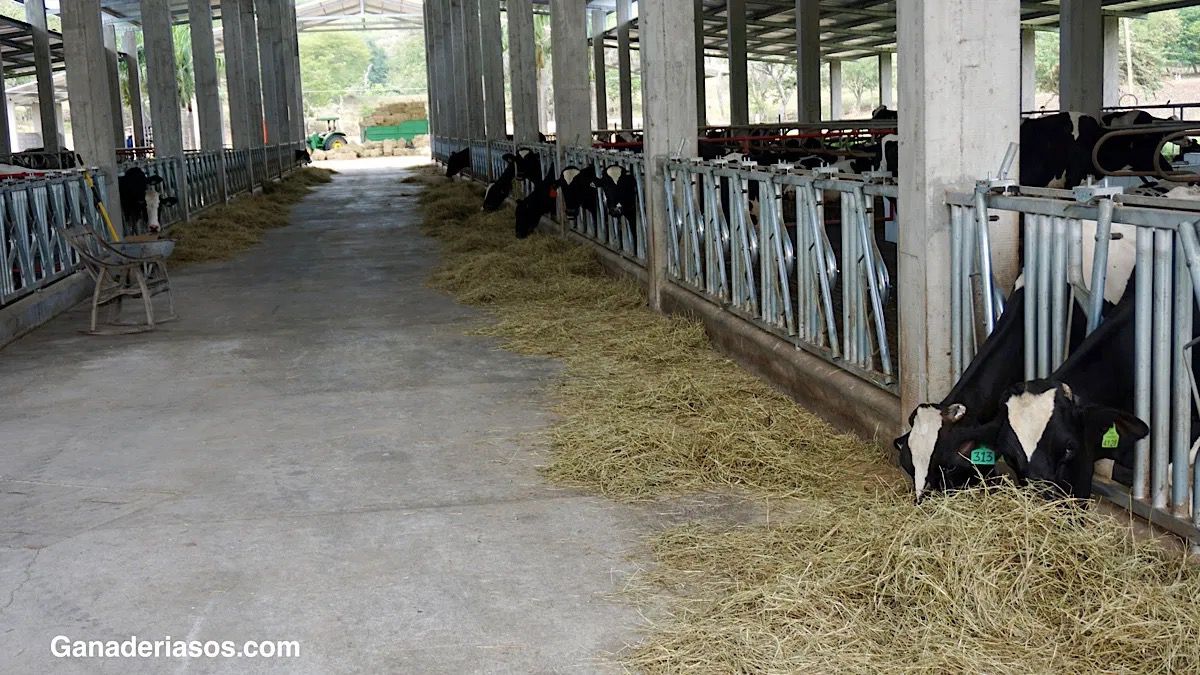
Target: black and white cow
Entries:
(501, 188)
(1052, 431)
(529, 164)
(936, 451)
(620, 190)
(539, 202)
(1056, 150)
(458, 162)
(578, 189)
(142, 199)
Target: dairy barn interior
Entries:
(610, 377)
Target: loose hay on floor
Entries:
(223, 231)
(981, 582)
(855, 579)
(646, 407)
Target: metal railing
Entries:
(756, 241)
(609, 231)
(33, 253)
(1166, 284)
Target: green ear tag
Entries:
(1111, 438)
(983, 456)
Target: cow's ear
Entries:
(508, 157)
(1111, 432)
(954, 413)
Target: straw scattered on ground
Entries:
(997, 581)
(853, 578)
(224, 231)
(646, 407)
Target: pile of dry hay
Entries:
(228, 229)
(856, 578)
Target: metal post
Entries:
(701, 90)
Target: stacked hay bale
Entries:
(393, 114)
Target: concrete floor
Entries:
(314, 452)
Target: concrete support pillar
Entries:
(6, 117)
(250, 57)
(808, 60)
(522, 62)
(35, 16)
(10, 141)
(462, 113)
(435, 50)
(701, 73)
(87, 86)
(111, 60)
(835, 90)
(270, 48)
(134, 67)
(472, 49)
(236, 75)
(164, 89)
(291, 43)
(568, 43)
(739, 86)
(1112, 61)
(1081, 51)
(953, 54)
(204, 66)
(598, 75)
(885, 80)
(668, 83)
(624, 62)
(1028, 69)
(493, 69)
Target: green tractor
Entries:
(331, 139)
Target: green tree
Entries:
(333, 65)
(1183, 47)
(406, 66)
(860, 77)
(379, 67)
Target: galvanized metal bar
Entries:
(986, 281)
(1181, 402)
(1142, 356)
(1058, 298)
(959, 356)
(1160, 429)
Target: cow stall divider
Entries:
(601, 227)
(1166, 283)
(34, 212)
(32, 209)
(755, 241)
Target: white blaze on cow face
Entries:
(927, 424)
(1028, 415)
(615, 173)
(1075, 124)
(152, 209)
(569, 175)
